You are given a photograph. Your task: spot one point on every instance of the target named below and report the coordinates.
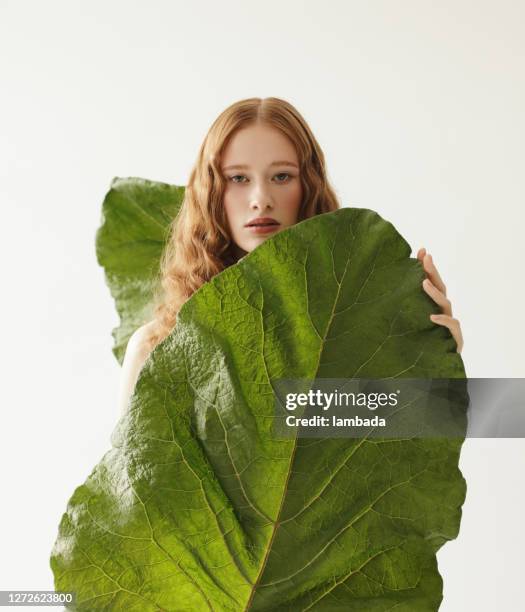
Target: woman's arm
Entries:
(137, 351)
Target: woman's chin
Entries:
(247, 246)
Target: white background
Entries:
(418, 106)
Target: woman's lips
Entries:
(263, 229)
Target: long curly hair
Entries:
(199, 245)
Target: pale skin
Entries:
(261, 169)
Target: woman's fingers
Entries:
(433, 274)
(453, 325)
(430, 268)
(438, 297)
(435, 288)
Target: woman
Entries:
(259, 171)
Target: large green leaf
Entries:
(136, 214)
(198, 507)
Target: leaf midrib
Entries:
(292, 456)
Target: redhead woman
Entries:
(259, 170)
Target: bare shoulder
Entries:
(139, 340)
(137, 352)
(139, 348)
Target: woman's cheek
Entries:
(232, 207)
(293, 202)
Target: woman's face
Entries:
(263, 188)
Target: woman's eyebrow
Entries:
(275, 163)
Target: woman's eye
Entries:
(232, 178)
(282, 177)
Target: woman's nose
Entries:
(260, 198)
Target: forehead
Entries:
(258, 145)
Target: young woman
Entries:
(259, 170)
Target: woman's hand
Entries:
(436, 289)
